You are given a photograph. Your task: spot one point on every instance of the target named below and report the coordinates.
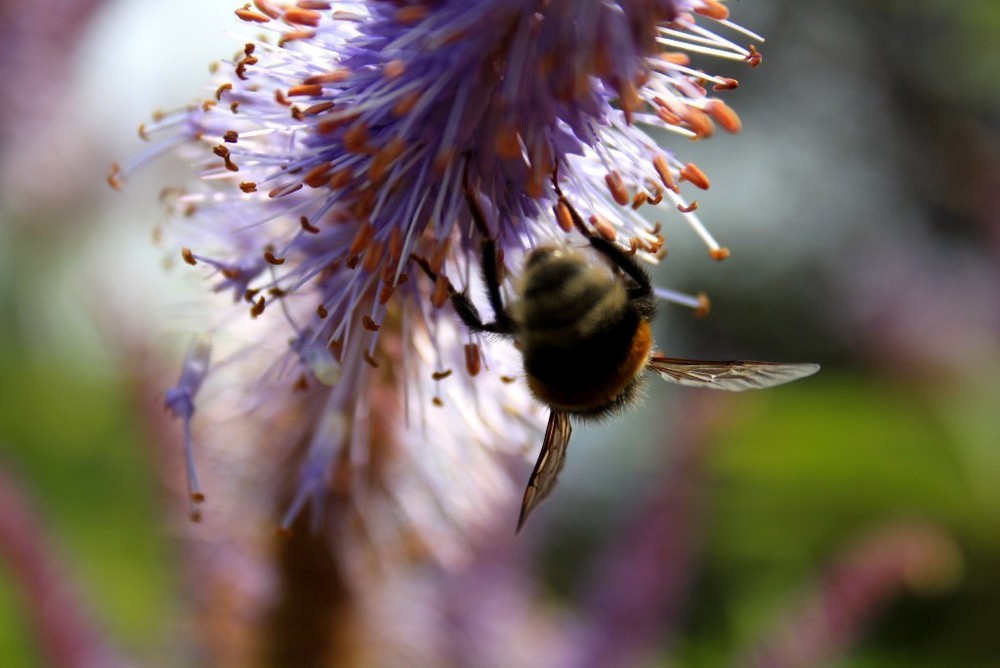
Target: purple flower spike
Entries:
(180, 402)
(339, 159)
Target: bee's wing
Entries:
(550, 462)
(735, 376)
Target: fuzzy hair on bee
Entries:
(584, 332)
(585, 336)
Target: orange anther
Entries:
(563, 216)
(304, 17)
(286, 189)
(439, 256)
(406, 103)
(385, 293)
(271, 258)
(394, 69)
(704, 305)
(719, 254)
(370, 324)
(667, 116)
(252, 16)
(640, 198)
(537, 179)
(333, 76)
(373, 256)
(675, 58)
(726, 84)
(754, 58)
(724, 115)
(356, 137)
(231, 137)
(294, 35)
(322, 312)
(386, 157)
(364, 205)
(318, 108)
(248, 186)
(305, 90)
(241, 67)
(329, 125)
(628, 99)
(617, 187)
(663, 171)
(341, 178)
(307, 226)
(444, 157)
(441, 375)
(115, 176)
(699, 122)
(318, 175)
(362, 239)
(412, 13)
(395, 242)
(693, 206)
(268, 8)
(603, 227)
(258, 308)
(188, 256)
(713, 9)
(473, 361)
(694, 176)
(440, 295)
(508, 142)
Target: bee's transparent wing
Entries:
(550, 462)
(734, 376)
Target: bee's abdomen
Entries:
(583, 344)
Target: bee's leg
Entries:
(644, 288)
(491, 274)
(464, 308)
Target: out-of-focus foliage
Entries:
(72, 433)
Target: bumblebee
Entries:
(584, 332)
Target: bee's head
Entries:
(542, 255)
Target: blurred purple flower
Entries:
(37, 55)
(640, 587)
(62, 623)
(854, 590)
(347, 141)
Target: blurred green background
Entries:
(862, 207)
